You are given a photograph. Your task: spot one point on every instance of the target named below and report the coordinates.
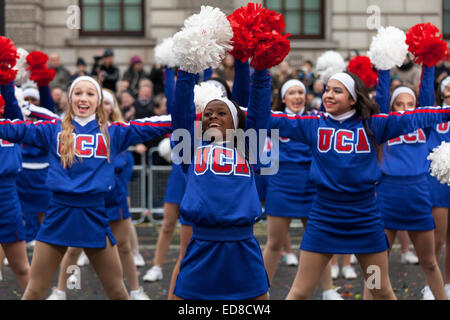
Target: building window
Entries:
(305, 19)
(446, 17)
(112, 17)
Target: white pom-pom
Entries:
(164, 149)
(204, 93)
(21, 66)
(440, 163)
(328, 64)
(388, 48)
(204, 40)
(18, 92)
(164, 53)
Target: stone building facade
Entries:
(42, 25)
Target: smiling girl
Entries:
(80, 148)
(344, 218)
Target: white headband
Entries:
(445, 83)
(108, 96)
(232, 108)
(289, 84)
(401, 90)
(348, 82)
(31, 92)
(91, 80)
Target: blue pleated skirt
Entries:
(405, 203)
(290, 193)
(222, 264)
(440, 193)
(345, 223)
(74, 220)
(11, 223)
(33, 191)
(176, 185)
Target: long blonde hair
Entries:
(67, 151)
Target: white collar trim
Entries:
(341, 118)
(84, 121)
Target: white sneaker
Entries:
(83, 260)
(334, 272)
(31, 244)
(291, 259)
(447, 291)
(349, 273)
(154, 274)
(1, 275)
(57, 295)
(138, 294)
(353, 259)
(331, 294)
(5, 262)
(427, 294)
(138, 260)
(409, 258)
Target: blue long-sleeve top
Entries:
(221, 190)
(93, 173)
(241, 84)
(169, 88)
(10, 153)
(344, 158)
(406, 155)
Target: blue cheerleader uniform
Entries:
(345, 217)
(222, 203)
(116, 199)
(76, 216)
(404, 193)
(290, 192)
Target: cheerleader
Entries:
(290, 192)
(344, 218)
(119, 218)
(405, 178)
(12, 230)
(221, 228)
(440, 194)
(80, 147)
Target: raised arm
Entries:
(169, 88)
(38, 134)
(12, 109)
(426, 92)
(183, 107)
(241, 84)
(383, 90)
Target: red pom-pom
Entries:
(36, 60)
(363, 68)
(2, 106)
(256, 29)
(425, 42)
(42, 76)
(7, 75)
(8, 53)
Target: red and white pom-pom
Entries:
(388, 48)
(8, 53)
(21, 66)
(363, 68)
(203, 41)
(2, 106)
(164, 53)
(204, 93)
(328, 64)
(425, 42)
(440, 163)
(7, 75)
(258, 35)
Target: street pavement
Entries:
(407, 280)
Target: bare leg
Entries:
(120, 230)
(287, 244)
(45, 263)
(404, 240)
(326, 281)
(278, 229)
(310, 269)
(171, 214)
(16, 253)
(440, 233)
(69, 259)
(106, 263)
(134, 242)
(185, 238)
(379, 282)
(424, 244)
(346, 260)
